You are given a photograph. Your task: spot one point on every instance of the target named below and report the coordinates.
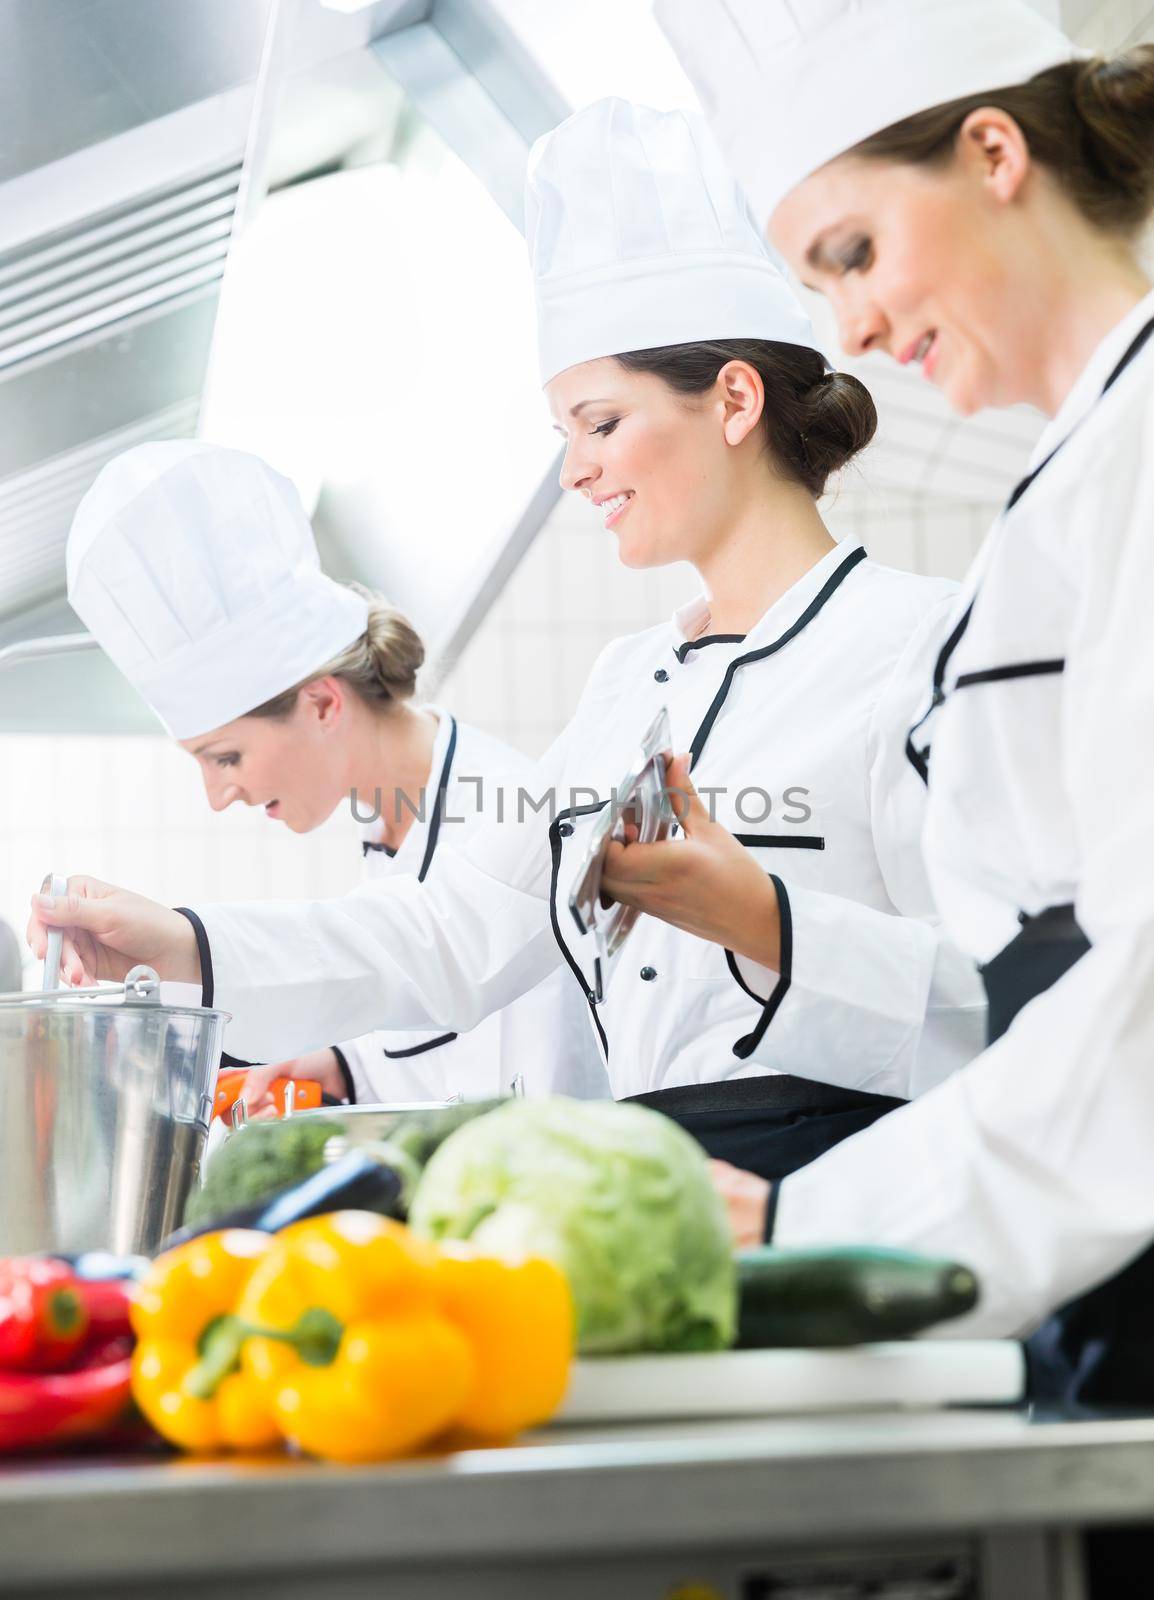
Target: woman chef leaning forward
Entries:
(989, 233)
(295, 693)
(700, 419)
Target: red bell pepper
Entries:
(107, 1302)
(43, 1317)
(65, 1353)
(39, 1408)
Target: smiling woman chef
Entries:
(990, 232)
(796, 672)
(195, 568)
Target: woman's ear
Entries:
(323, 700)
(993, 148)
(743, 399)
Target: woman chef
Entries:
(988, 233)
(196, 570)
(792, 681)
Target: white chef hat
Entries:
(639, 237)
(196, 570)
(790, 84)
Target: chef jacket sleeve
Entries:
(869, 999)
(1033, 1165)
(395, 953)
(354, 1058)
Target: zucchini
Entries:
(842, 1297)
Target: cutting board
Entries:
(741, 1383)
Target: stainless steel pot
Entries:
(105, 1102)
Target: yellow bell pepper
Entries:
(186, 1374)
(349, 1341)
(519, 1319)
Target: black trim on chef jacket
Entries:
(207, 981)
(204, 951)
(834, 582)
(439, 804)
(682, 650)
(390, 850)
(1022, 669)
(920, 759)
(346, 1075)
(426, 863)
(746, 1046)
(418, 1049)
(781, 841)
(564, 819)
(735, 974)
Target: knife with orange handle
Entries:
(230, 1087)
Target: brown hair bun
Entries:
(814, 421)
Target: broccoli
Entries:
(254, 1163)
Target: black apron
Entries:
(772, 1124)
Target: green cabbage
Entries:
(619, 1196)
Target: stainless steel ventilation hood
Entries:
(124, 132)
(136, 138)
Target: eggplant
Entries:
(354, 1183)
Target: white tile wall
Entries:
(1114, 25)
(132, 809)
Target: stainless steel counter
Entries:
(615, 1514)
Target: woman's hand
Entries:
(746, 1198)
(108, 931)
(706, 883)
(319, 1065)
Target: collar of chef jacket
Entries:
(691, 623)
(416, 850)
(1087, 389)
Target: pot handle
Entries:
(142, 984)
(56, 885)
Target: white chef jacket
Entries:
(1035, 1165)
(803, 718)
(542, 1037)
